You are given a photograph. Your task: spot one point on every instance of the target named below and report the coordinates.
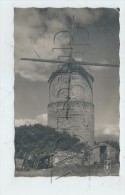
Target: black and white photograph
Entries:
(66, 92)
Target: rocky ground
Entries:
(74, 170)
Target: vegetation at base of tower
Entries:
(45, 139)
(114, 144)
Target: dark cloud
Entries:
(35, 29)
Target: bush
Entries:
(28, 138)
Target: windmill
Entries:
(65, 105)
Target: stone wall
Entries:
(80, 89)
(79, 106)
(64, 158)
(95, 156)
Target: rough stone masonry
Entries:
(71, 106)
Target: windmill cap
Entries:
(69, 67)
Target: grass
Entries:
(72, 170)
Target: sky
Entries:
(34, 30)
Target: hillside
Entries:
(44, 138)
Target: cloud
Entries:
(111, 130)
(107, 131)
(33, 32)
(35, 29)
(41, 119)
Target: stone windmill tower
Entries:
(71, 106)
